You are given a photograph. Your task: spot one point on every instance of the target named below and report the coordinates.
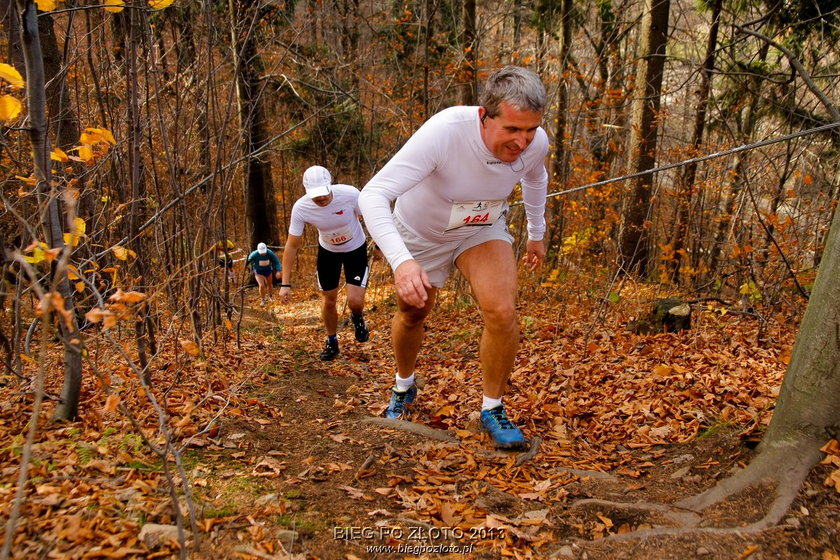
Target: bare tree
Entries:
(50, 199)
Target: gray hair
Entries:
(517, 86)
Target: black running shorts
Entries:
(329, 268)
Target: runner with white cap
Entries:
(334, 211)
(266, 268)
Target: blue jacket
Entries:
(264, 264)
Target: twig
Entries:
(366, 465)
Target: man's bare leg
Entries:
(329, 311)
(407, 333)
(490, 269)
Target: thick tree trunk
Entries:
(644, 127)
(807, 413)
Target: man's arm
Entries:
(534, 191)
(415, 161)
(289, 256)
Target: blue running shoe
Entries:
(505, 434)
(397, 407)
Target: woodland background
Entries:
(168, 129)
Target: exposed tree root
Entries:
(600, 475)
(523, 458)
(682, 532)
(406, 426)
(783, 467)
(681, 517)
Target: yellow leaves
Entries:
(59, 155)
(122, 253)
(77, 231)
(552, 282)
(85, 153)
(9, 74)
(45, 5)
(114, 6)
(93, 136)
(160, 4)
(10, 108)
(751, 290)
(40, 252)
(95, 143)
(31, 180)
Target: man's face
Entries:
(511, 131)
(322, 200)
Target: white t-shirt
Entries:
(444, 180)
(339, 229)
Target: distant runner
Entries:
(266, 268)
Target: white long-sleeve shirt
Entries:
(443, 164)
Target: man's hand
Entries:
(412, 283)
(535, 254)
(285, 294)
(278, 275)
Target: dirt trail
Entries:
(325, 483)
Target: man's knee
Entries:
(500, 315)
(411, 317)
(330, 299)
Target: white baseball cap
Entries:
(262, 249)
(317, 181)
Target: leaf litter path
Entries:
(618, 415)
(281, 461)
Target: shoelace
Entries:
(501, 419)
(399, 400)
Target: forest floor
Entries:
(291, 464)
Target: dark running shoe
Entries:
(400, 401)
(360, 328)
(330, 351)
(505, 434)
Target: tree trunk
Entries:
(687, 188)
(260, 205)
(560, 164)
(644, 128)
(470, 67)
(36, 99)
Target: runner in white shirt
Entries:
(451, 181)
(334, 211)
